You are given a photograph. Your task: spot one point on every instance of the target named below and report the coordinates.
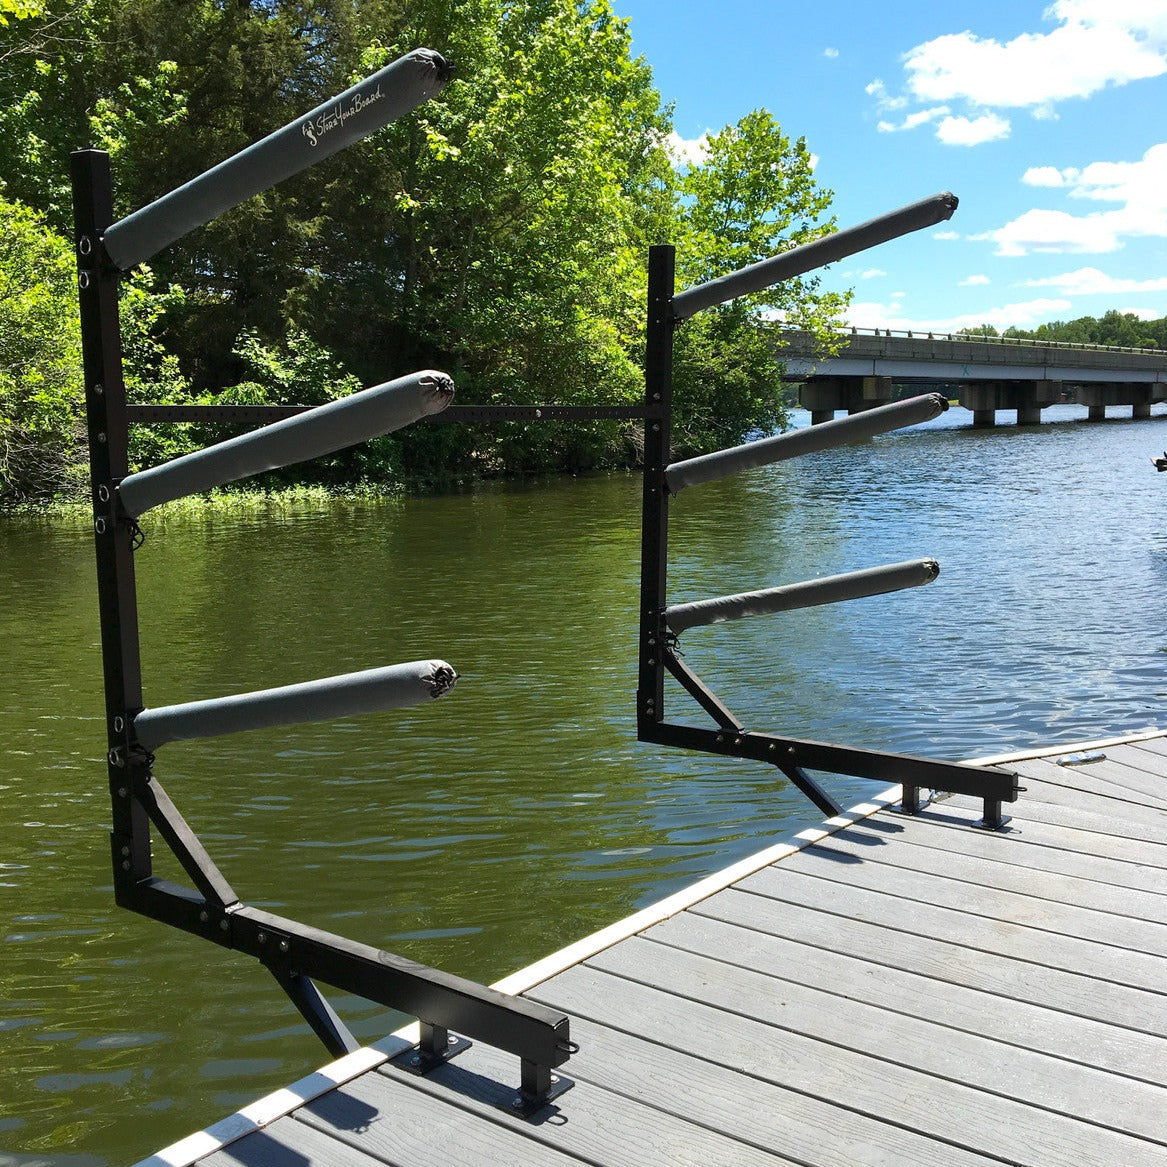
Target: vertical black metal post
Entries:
(658, 399)
(105, 405)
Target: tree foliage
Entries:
(1114, 328)
(500, 232)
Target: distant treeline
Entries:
(1121, 329)
(499, 233)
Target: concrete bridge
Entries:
(987, 374)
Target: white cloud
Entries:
(1096, 43)
(830, 54)
(961, 131)
(1089, 281)
(1025, 313)
(946, 234)
(974, 281)
(1093, 44)
(1140, 189)
(1044, 176)
(687, 151)
(883, 99)
(919, 118)
(872, 273)
(1143, 313)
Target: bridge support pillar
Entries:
(1033, 397)
(983, 398)
(822, 397)
(1141, 409)
(868, 392)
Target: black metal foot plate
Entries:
(415, 1060)
(525, 1105)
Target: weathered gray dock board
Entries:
(886, 990)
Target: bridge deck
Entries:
(884, 991)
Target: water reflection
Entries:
(518, 814)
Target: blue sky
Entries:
(1047, 120)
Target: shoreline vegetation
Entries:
(498, 233)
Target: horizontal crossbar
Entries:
(904, 769)
(515, 1025)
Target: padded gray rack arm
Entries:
(311, 434)
(831, 589)
(334, 124)
(798, 260)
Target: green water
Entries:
(490, 828)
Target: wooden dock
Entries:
(883, 990)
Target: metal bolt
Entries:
(721, 739)
(517, 1102)
(651, 661)
(261, 937)
(98, 389)
(204, 917)
(554, 1079)
(415, 1060)
(115, 757)
(790, 750)
(99, 526)
(103, 493)
(451, 1040)
(122, 792)
(656, 427)
(283, 946)
(119, 723)
(224, 924)
(652, 640)
(126, 865)
(101, 439)
(538, 413)
(83, 279)
(737, 741)
(772, 747)
(85, 245)
(125, 850)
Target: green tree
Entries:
(41, 434)
(752, 196)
